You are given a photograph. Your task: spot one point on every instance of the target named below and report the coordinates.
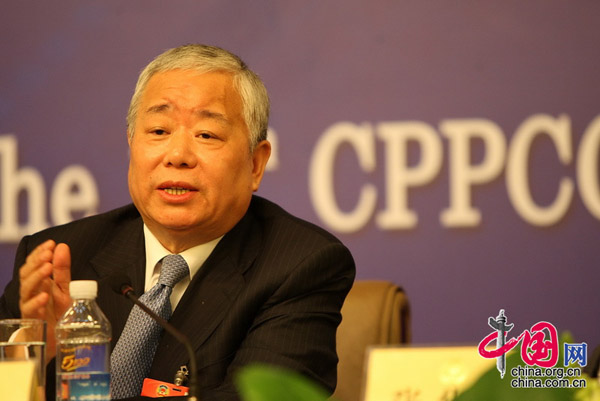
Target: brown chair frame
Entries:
(374, 313)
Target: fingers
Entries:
(62, 267)
(40, 255)
(62, 277)
(37, 268)
(44, 276)
(36, 307)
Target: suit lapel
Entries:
(210, 294)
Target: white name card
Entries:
(18, 381)
(421, 373)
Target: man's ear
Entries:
(260, 157)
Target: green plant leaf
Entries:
(267, 383)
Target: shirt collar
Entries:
(155, 251)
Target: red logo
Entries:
(535, 350)
(539, 345)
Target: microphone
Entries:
(121, 284)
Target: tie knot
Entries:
(173, 269)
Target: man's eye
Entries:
(205, 135)
(159, 131)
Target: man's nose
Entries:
(179, 152)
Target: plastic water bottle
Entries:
(83, 347)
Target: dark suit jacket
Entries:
(271, 292)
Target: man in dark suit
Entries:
(264, 286)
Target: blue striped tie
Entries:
(132, 357)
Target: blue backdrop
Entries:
(452, 146)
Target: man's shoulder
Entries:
(285, 244)
(279, 224)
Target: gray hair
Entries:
(203, 59)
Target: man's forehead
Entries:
(167, 106)
(188, 85)
(209, 86)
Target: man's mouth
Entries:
(175, 188)
(176, 191)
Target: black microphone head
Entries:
(120, 283)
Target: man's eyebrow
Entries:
(213, 115)
(201, 113)
(159, 108)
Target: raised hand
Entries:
(44, 287)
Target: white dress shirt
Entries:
(195, 258)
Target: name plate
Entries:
(421, 373)
(18, 381)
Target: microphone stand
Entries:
(128, 292)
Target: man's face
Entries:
(191, 173)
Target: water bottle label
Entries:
(83, 358)
(85, 387)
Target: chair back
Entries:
(374, 313)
